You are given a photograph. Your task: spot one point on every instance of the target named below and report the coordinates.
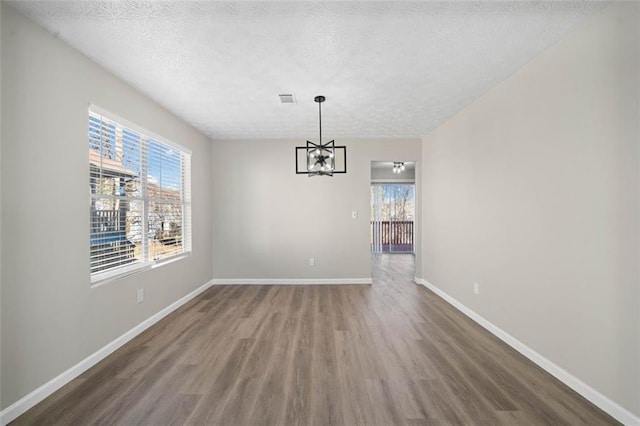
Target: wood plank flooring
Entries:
(388, 354)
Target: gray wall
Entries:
(51, 317)
(268, 221)
(533, 192)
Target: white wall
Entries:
(533, 192)
(51, 317)
(268, 221)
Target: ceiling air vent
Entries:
(287, 98)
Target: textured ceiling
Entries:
(388, 69)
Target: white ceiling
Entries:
(388, 69)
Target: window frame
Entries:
(115, 273)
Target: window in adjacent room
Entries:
(139, 198)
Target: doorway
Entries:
(392, 207)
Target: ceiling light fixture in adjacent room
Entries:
(398, 167)
(321, 159)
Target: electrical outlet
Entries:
(476, 288)
(140, 296)
(354, 214)
(312, 261)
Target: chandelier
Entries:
(321, 159)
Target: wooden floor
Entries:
(388, 354)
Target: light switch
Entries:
(354, 214)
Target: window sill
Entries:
(167, 260)
(103, 278)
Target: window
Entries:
(140, 197)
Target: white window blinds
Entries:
(140, 197)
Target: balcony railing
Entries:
(392, 236)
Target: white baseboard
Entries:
(612, 408)
(290, 281)
(19, 407)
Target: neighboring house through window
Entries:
(140, 197)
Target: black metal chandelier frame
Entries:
(321, 157)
